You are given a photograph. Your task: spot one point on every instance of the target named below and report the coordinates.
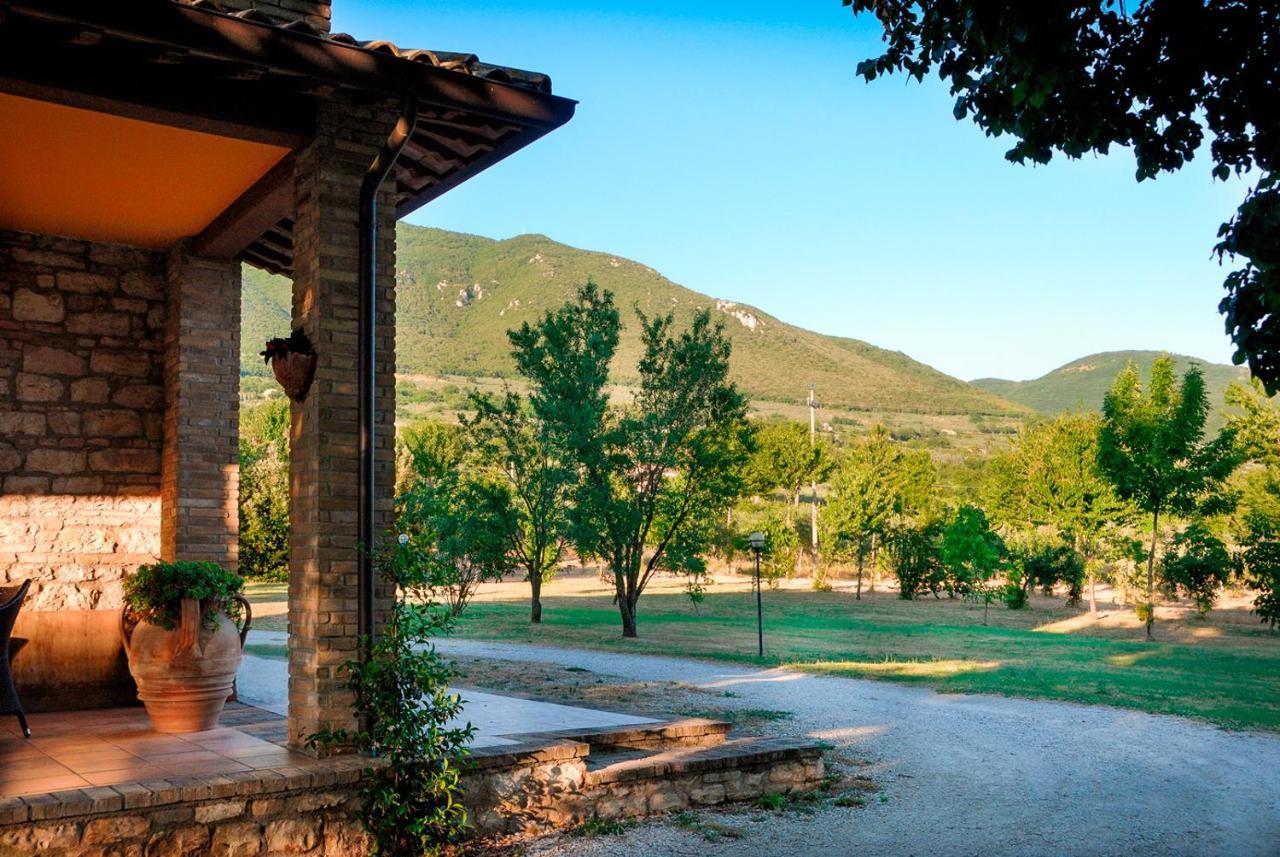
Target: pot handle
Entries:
(248, 617)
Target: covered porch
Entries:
(151, 148)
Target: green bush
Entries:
(410, 805)
(1197, 565)
(155, 592)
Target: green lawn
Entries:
(1231, 677)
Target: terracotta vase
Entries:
(185, 675)
(294, 371)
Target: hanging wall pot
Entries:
(293, 361)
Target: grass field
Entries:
(1225, 669)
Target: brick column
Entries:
(200, 462)
(325, 431)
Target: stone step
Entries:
(661, 735)
(739, 753)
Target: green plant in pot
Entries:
(179, 630)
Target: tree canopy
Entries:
(650, 475)
(1153, 450)
(1157, 77)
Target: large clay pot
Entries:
(185, 675)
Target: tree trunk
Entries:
(535, 604)
(628, 613)
(1151, 572)
(1093, 594)
(858, 595)
(875, 562)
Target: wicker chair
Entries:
(10, 603)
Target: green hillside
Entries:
(459, 294)
(1084, 382)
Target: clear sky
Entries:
(730, 146)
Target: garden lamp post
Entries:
(757, 546)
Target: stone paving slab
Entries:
(499, 720)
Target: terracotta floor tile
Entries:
(133, 774)
(40, 785)
(105, 760)
(30, 769)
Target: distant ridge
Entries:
(1084, 382)
(459, 294)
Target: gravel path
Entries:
(967, 774)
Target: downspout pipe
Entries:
(377, 173)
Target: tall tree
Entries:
(972, 553)
(1051, 477)
(865, 491)
(1152, 447)
(1156, 77)
(648, 475)
(530, 486)
(785, 459)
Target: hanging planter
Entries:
(293, 361)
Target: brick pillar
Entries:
(200, 462)
(325, 430)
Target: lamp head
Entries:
(757, 541)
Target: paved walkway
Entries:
(264, 682)
(968, 774)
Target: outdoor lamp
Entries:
(757, 545)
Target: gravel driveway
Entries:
(969, 775)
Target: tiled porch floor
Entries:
(78, 749)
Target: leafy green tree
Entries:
(647, 474)
(1050, 477)
(865, 492)
(781, 546)
(428, 452)
(454, 523)
(1152, 448)
(972, 554)
(1081, 76)
(1262, 566)
(264, 491)
(915, 551)
(784, 459)
(1255, 420)
(1197, 565)
(534, 484)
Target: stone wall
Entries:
(81, 416)
(513, 790)
(311, 821)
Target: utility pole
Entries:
(813, 484)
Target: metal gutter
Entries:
(377, 173)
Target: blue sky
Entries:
(730, 146)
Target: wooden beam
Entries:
(258, 209)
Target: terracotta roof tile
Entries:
(460, 62)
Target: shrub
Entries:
(155, 592)
(1262, 566)
(913, 552)
(1197, 565)
(410, 805)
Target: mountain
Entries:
(459, 294)
(1085, 382)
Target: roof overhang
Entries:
(239, 84)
